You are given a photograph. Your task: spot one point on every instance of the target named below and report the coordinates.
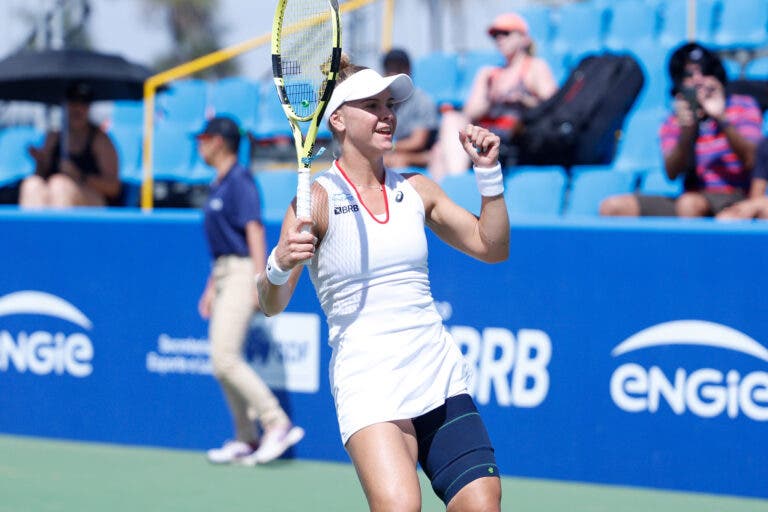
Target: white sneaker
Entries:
(231, 451)
(274, 443)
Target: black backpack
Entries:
(581, 122)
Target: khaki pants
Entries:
(247, 395)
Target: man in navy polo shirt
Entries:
(237, 244)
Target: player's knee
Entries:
(394, 500)
(481, 495)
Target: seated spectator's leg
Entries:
(34, 192)
(448, 156)
(90, 197)
(692, 204)
(762, 208)
(623, 205)
(64, 192)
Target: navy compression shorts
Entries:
(454, 447)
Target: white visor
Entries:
(367, 83)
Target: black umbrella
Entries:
(44, 76)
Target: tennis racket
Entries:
(306, 53)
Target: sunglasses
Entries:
(500, 33)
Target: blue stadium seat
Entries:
(438, 74)
(470, 63)
(173, 150)
(127, 113)
(653, 60)
(591, 184)
(237, 97)
(639, 148)
(632, 22)
(127, 140)
(15, 161)
(278, 188)
(655, 182)
(757, 69)
(539, 22)
(557, 62)
(742, 23)
(462, 188)
(535, 190)
(578, 28)
(271, 121)
(184, 103)
(674, 24)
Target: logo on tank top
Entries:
(344, 203)
(216, 204)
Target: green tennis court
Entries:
(44, 476)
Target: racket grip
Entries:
(303, 198)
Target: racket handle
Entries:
(303, 198)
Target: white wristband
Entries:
(490, 181)
(275, 274)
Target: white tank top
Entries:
(392, 358)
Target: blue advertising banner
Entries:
(628, 352)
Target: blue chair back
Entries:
(535, 190)
(278, 188)
(591, 184)
(15, 161)
(462, 188)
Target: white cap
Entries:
(367, 83)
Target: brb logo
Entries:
(515, 367)
(45, 352)
(704, 392)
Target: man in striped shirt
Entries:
(755, 207)
(710, 139)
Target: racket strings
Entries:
(307, 45)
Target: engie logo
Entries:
(42, 352)
(705, 392)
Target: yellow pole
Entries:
(147, 182)
(386, 25)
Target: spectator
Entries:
(497, 98)
(417, 119)
(709, 139)
(756, 206)
(237, 243)
(86, 174)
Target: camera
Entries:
(689, 93)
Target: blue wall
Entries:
(622, 352)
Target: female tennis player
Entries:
(397, 377)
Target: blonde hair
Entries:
(347, 69)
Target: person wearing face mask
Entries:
(84, 173)
(497, 98)
(709, 139)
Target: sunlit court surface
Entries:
(44, 475)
